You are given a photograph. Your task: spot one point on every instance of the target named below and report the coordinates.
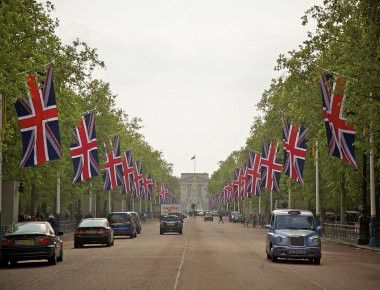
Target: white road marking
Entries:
(183, 258)
(307, 279)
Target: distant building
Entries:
(194, 190)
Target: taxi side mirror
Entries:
(269, 227)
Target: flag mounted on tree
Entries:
(271, 167)
(113, 173)
(254, 174)
(84, 152)
(295, 145)
(38, 121)
(128, 177)
(147, 185)
(340, 135)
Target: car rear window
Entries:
(93, 223)
(27, 228)
(171, 218)
(118, 217)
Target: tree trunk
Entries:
(343, 203)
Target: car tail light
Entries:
(79, 231)
(103, 231)
(127, 222)
(6, 243)
(44, 241)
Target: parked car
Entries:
(238, 218)
(122, 224)
(231, 215)
(93, 231)
(31, 241)
(208, 216)
(170, 223)
(293, 234)
(215, 213)
(200, 213)
(136, 219)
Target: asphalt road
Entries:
(207, 256)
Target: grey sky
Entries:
(192, 70)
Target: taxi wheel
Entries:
(161, 232)
(268, 256)
(273, 257)
(317, 261)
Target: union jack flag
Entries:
(38, 121)
(138, 179)
(270, 167)
(128, 177)
(235, 183)
(163, 192)
(340, 135)
(84, 151)
(113, 173)
(147, 185)
(242, 182)
(295, 145)
(254, 174)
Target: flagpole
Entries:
(90, 198)
(259, 205)
(140, 204)
(372, 241)
(58, 214)
(1, 156)
(271, 202)
(289, 196)
(109, 201)
(317, 210)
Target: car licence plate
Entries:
(297, 252)
(91, 232)
(24, 242)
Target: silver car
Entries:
(293, 234)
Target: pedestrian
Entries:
(220, 218)
(254, 220)
(51, 220)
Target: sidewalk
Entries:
(365, 247)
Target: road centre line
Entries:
(183, 258)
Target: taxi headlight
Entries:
(279, 239)
(315, 241)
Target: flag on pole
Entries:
(295, 145)
(340, 135)
(138, 178)
(113, 173)
(38, 121)
(84, 152)
(128, 177)
(254, 174)
(271, 167)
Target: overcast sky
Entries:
(192, 70)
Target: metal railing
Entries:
(345, 233)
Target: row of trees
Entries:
(29, 44)
(346, 42)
